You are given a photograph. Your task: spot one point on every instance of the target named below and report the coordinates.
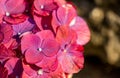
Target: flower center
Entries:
(40, 72)
(7, 14)
(64, 50)
(40, 49)
(42, 6)
(19, 33)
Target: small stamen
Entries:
(40, 49)
(65, 51)
(42, 6)
(19, 33)
(40, 72)
(7, 14)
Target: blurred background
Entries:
(102, 53)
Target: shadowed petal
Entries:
(63, 16)
(5, 53)
(10, 64)
(3, 72)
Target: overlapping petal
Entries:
(63, 16)
(82, 30)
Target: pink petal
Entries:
(7, 31)
(33, 56)
(70, 63)
(82, 30)
(15, 7)
(29, 41)
(50, 47)
(58, 73)
(45, 34)
(3, 72)
(30, 73)
(71, 60)
(47, 63)
(44, 6)
(65, 35)
(60, 2)
(63, 15)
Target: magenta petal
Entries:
(82, 30)
(66, 13)
(15, 7)
(44, 6)
(65, 35)
(45, 34)
(47, 63)
(63, 16)
(33, 56)
(50, 47)
(29, 41)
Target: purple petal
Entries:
(23, 27)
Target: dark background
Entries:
(102, 53)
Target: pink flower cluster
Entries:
(41, 39)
